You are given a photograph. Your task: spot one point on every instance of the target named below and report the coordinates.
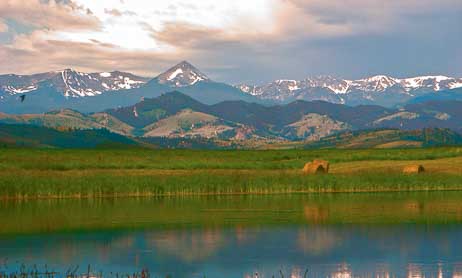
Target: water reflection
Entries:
(318, 240)
(315, 214)
(187, 246)
(44, 216)
(343, 272)
(323, 250)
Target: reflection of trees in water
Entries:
(318, 240)
(188, 246)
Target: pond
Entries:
(324, 235)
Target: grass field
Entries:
(34, 173)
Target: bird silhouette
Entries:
(22, 98)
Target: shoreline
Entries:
(213, 194)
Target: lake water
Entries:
(342, 235)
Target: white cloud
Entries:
(129, 24)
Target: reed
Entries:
(23, 271)
(91, 173)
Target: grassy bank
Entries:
(138, 172)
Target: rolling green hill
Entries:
(389, 138)
(36, 136)
(179, 120)
(69, 119)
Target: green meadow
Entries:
(40, 173)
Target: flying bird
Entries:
(22, 98)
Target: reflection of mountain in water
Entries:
(325, 250)
(318, 240)
(187, 246)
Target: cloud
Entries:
(38, 52)
(239, 40)
(185, 35)
(49, 14)
(365, 16)
(118, 13)
(3, 26)
(294, 20)
(356, 39)
(113, 12)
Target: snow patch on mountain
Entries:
(182, 75)
(105, 74)
(20, 90)
(366, 88)
(455, 85)
(405, 115)
(71, 83)
(378, 83)
(175, 74)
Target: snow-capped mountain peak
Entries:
(338, 86)
(431, 82)
(377, 83)
(71, 83)
(79, 84)
(182, 75)
(340, 90)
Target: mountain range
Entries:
(69, 89)
(93, 92)
(70, 83)
(380, 90)
(183, 107)
(175, 115)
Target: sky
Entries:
(238, 41)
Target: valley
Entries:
(238, 124)
(234, 139)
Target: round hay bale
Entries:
(315, 168)
(324, 163)
(413, 169)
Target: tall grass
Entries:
(136, 172)
(229, 182)
(198, 159)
